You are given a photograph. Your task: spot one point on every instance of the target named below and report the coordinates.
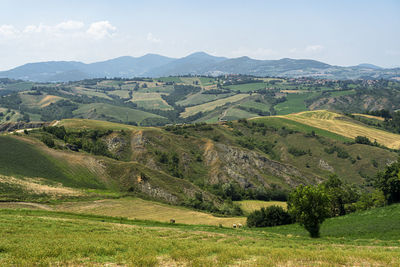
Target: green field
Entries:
(235, 113)
(150, 101)
(205, 81)
(257, 105)
(294, 103)
(199, 98)
(26, 160)
(91, 92)
(212, 105)
(169, 79)
(120, 93)
(51, 238)
(120, 113)
(247, 87)
(23, 159)
(20, 86)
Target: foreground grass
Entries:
(51, 238)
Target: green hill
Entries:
(173, 163)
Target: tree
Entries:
(336, 194)
(309, 205)
(389, 182)
(271, 216)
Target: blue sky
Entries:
(335, 32)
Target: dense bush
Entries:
(298, 152)
(271, 216)
(47, 140)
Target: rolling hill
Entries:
(174, 163)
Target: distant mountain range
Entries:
(200, 63)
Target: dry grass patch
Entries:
(332, 122)
(212, 105)
(38, 186)
(252, 205)
(134, 208)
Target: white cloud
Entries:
(8, 31)
(293, 50)
(314, 48)
(101, 29)
(37, 28)
(151, 38)
(70, 25)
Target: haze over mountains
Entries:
(200, 63)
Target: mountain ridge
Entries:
(198, 63)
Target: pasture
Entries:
(135, 208)
(38, 101)
(54, 238)
(294, 103)
(150, 101)
(189, 111)
(123, 114)
(199, 98)
(247, 87)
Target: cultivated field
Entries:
(199, 98)
(38, 101)
(123, 114)
(212, 105)
(332, 122)
(150, 101)
(135, 208)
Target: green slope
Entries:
(123, 114)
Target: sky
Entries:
(336, 32)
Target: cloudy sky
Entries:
(336, 32)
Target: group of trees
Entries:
(87, 140)
(311, 205)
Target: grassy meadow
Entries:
(30, 237)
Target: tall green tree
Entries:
(309, 205)
(389, 182)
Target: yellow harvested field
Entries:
(37, 186)
(212, 105)
(252, 205)
(332, 122)
(38, 101)
(48, 99)
(135, 208)
(147, 96)
(369, 116)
